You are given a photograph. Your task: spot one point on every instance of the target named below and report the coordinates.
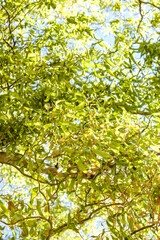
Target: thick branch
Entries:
(91, 216)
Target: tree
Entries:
(80, 119)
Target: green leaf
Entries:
(80, 106)
(34, 193)
(109, 62)
(101, 153)
(38, 207)
(81, 165)
(71, 186)
(46, 126)
(17, 217)
(3, 207)
(94, 186)
(110, 72)
(69, 219)
(24, 229)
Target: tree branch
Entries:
(140, 229)
(9, 26)
(61, 228)
(140, 11)
(23, 219)
(152, 4)
(6, 159)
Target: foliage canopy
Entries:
(79, 119)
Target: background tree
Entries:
(80, 119)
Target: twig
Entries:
(23, 219)
(140, 229)
(140, 11)
(152, 4)
(9, 26)
(29, 176)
